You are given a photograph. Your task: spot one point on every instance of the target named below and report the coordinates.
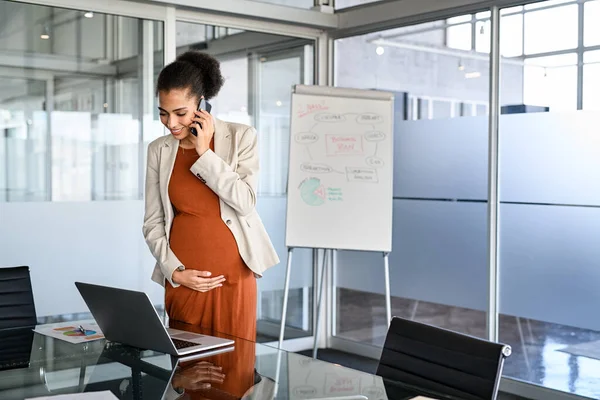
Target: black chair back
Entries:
(441, 361)
(17, 308)
(15, 348)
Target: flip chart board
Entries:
(341, 169)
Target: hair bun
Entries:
(209, 69)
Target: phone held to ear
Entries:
(204, 105)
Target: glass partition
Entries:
(550, 204)
(548, 200)
(438, 268)
(73, 91)
(591, 80)
(77, 109)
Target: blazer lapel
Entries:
(168, 153)
(223, 141)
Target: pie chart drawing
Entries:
(312, 192)
(74, 332)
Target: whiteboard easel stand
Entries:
(327, 256)
(286, 289)
(277, 374)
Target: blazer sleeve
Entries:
(236, 188)
(154, 220)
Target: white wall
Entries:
(64, 242)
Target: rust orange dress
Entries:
(202, 241)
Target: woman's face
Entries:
(176, 109)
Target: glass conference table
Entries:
(34, 365)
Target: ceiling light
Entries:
(45, 33)
(379, 50)
(279, 103)
(89, 14)
(472, 75)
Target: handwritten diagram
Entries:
(340, 151)
(314, 193)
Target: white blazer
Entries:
(231, 171)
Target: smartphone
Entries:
(204, 105)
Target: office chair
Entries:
(17, 318)
(15, 348)
(17, 308)
(440, 361)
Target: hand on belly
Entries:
(200, 281)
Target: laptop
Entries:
(128, 317)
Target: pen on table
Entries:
(81, 329)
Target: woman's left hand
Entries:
(205, 127)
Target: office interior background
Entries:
(77, 110)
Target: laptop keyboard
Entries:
(182, 344)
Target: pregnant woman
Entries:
(200, 220)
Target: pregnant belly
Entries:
(207, 245)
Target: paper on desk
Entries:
(104, 395)
(70, 332)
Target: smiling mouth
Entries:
(176, 131)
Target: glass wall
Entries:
(591, 80)
(260, 70)
(77, 109)
(23, 144)
(72, 85)
(438, 261)
(278, 72)
(550, 201)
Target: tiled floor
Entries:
(538, 347)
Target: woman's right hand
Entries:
(197, 280)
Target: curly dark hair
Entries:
(194, 70)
